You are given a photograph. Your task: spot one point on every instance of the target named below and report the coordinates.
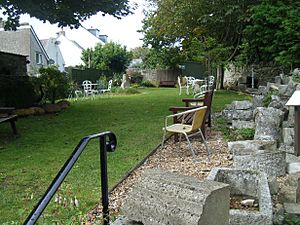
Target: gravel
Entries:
(174, 159)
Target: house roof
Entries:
(12, 41)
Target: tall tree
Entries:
(205, 30)
(110, 56)
(65, 13)
(273, 33)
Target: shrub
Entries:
(55, 83)
(147, 83)
(17, 92)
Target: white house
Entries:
(69, 45)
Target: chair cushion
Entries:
(179, 128)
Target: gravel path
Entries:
(174, 159)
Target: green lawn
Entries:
(29, 163)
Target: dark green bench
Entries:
(7, 115)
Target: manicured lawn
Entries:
(29, 163)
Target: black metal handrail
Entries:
(105, 146)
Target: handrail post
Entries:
(105, 146)
(104, 180)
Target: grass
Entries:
(29, 163)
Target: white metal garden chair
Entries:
(188, 130)
(108, 87)
(88, 88)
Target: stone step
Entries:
(162, 197)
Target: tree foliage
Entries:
(110, 56)
(204, 30)
(65, 13)
(273, 33)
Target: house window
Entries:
(38, 58)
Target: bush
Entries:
(243, 134)
(54, 83)
(147, 83)
(17, 91)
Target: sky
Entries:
(122, 31)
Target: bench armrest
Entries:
(7, 110)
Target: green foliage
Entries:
(268, 97)
(55, 84)
(17, 92)
(205, 31)
(296, 78)
(273, 32)
(65, 13)
(234, 134)
(291, 220)
(111, 56)
(147, 83)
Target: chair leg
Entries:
(205, 143)
(190, 145)
(163, 140)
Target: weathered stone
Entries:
(25, 112)
(290, 158)
(122, 220)
(51, 108)
(240, 124)
(242, 105)
(272, 86)
(245, 115)
(288, 136)
(271, 162)
(252, 145)
(293, 180)
(63, 104)
(278, 79)
(288, 194)
(293, 167)
(287, 149)
(290, 89)
(166, 198)
(273, 185)
(292, 209)
(276, 104)
(262, 90)
(257, 101)
(250, 183)
(227, 114)
(282, 89)
(267, 123)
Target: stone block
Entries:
(288, 194)
(262, 90)
(293, 167)
(250, 183)
(292, 209)
(273, 185)
(290, 158)
(241, 124)
(166, 198)
(288, 136)
(252, 145)
(268, 123)
(287, 149)
(273, 163)
(242, 105)
(243, 115)
(257, 101)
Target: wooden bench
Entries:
(167, 83)
(7, 115)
